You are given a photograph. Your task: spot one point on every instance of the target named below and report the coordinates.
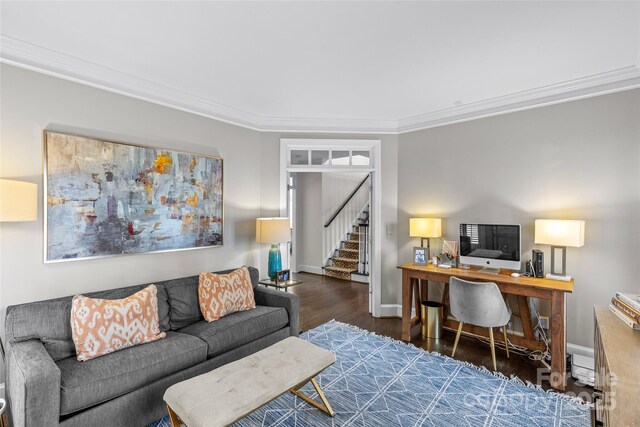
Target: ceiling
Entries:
(382, 67)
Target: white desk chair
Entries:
(480, 304)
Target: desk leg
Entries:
(406, 306)
(424, 290)
(525, 317)
(558, 342)
(416, 297)
(445, 302)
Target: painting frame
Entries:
(45, 193)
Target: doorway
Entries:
(303, 163)
(330, 214)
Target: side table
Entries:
(280, 285)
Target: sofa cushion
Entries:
(223, 294)
(102, 326)
(182, 295)
(85, 384)
(50, 321)
(238, 328)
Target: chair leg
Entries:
(493, 349)
(455, 344)
(506, 341)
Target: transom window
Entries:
(329, 157)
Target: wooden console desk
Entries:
(617, 351)
(415, 288)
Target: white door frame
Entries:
(375, 146)
(293, 262)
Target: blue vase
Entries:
(275, 260)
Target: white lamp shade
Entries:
(425, 227)
(18, 201)
(273, 230)
(560, 232)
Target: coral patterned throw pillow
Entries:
(222, 294)
(102, 326)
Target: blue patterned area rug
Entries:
(378, 381)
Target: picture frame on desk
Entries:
(420, 256)
(449, 255)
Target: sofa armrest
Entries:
(33, 385)
(273, 298)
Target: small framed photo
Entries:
(420, 256)
(283, 276)
(449, 253)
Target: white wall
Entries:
(574, 160)
(336, 187)
(309, 226)
(32, 102)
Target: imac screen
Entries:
(491, 241)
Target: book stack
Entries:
(627, 308)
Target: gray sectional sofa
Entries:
(47, 386)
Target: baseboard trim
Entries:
(581, 350)
(355, 277)
(393, 310)
(390, 310)
(310, 269)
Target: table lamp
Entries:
(425, 228)
(273, 231)
(18, 202)
(559, 234)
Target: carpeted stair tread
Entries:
(349, 250)
(341, 269)
(351, 244)
(343, 259)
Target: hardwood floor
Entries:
(323, 298)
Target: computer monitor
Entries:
(492, 246)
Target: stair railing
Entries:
(341, 223)
(363, 228)
(346, 202)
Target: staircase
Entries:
(351, 256)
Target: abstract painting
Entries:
(105, 198)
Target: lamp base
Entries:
(275, 260)
(558, 277)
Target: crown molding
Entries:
(600, 84)
(329, 125)
(47, 61)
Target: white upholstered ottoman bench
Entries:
(226, 394)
